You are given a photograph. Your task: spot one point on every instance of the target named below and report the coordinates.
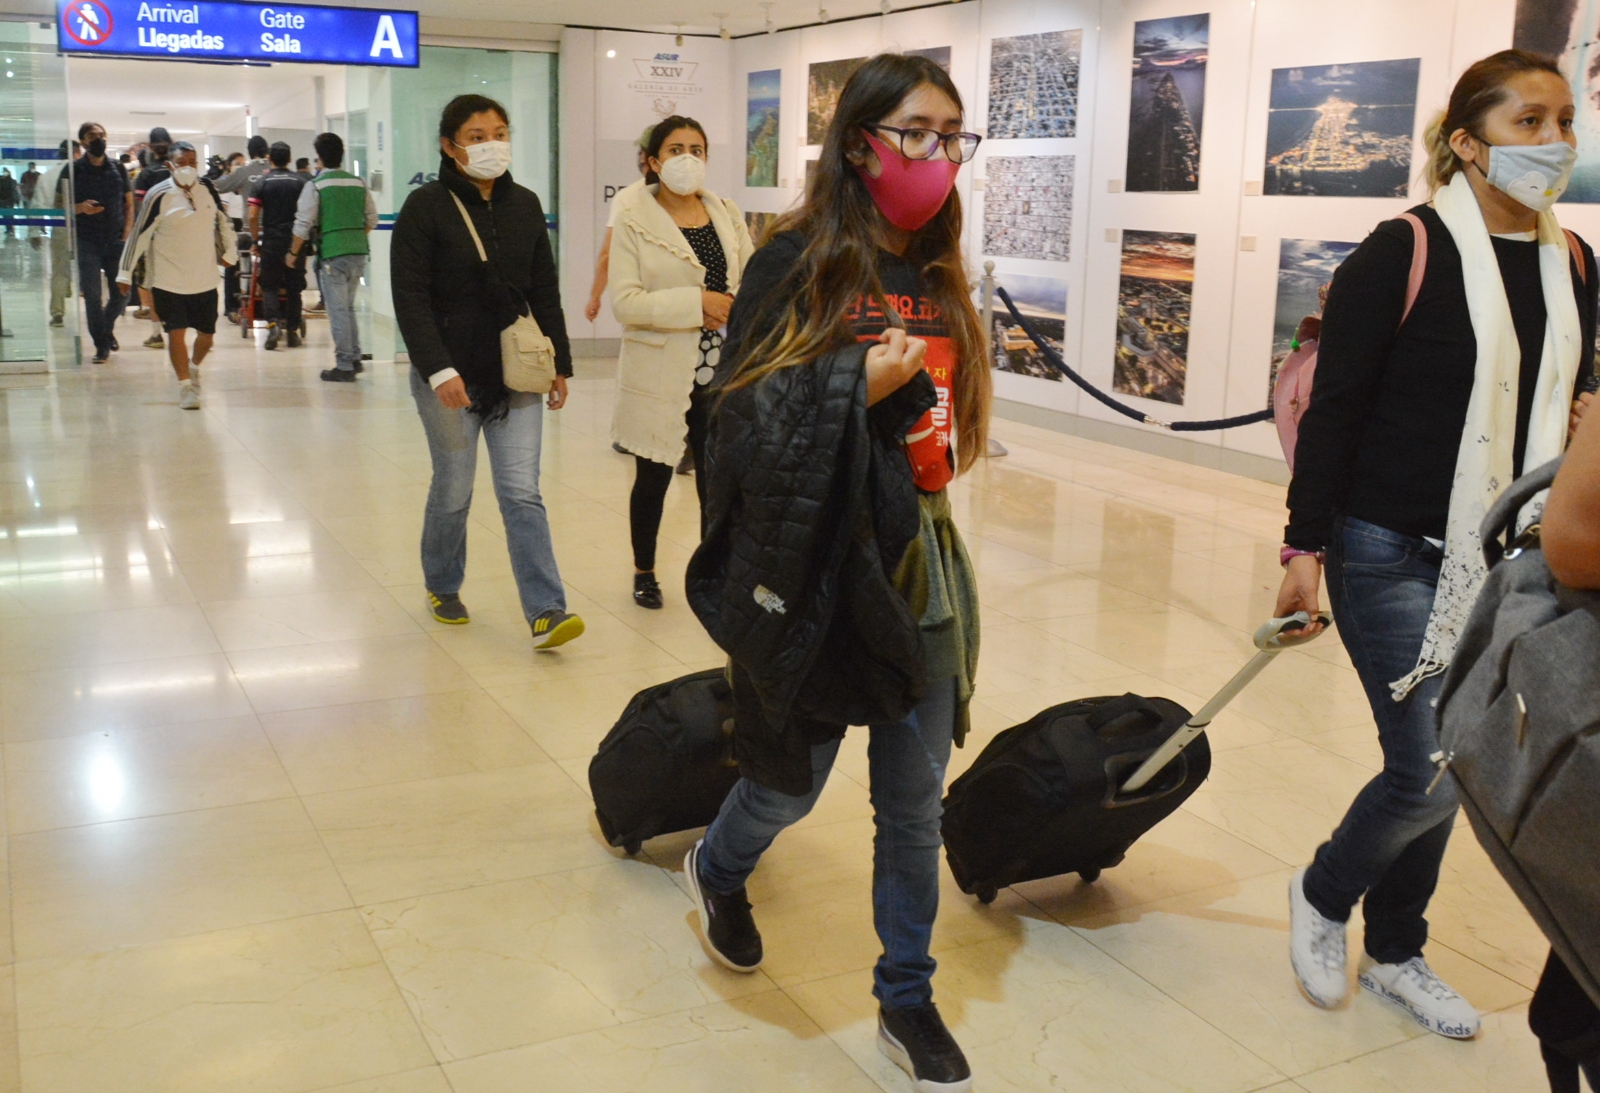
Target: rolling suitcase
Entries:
(668, 762)
(1070, 790)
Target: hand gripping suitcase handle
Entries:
(1274, 636)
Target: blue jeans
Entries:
(907, 763)
(1389, 845)
(96, 257)
(339, 278)
(514, 443)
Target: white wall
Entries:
(1235, 289)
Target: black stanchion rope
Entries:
(1121, 407)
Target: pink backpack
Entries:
(1291, 394)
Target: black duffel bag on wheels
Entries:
(668, 762)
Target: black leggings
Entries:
(1567, 1023)
(650, 482)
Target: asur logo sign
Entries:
(87, 22)
(666, 66)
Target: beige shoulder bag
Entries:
(527, 357)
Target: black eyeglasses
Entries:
(923, 143)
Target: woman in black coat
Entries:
(451, 307)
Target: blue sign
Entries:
(214, 30)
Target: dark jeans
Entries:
(907, 763)
(650, 482)
(276, 276)
(1389, 845)
(97, 257)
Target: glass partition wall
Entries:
(36, 264)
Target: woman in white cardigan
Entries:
(677, 251)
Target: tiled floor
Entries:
(271, 828)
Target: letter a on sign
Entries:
(387, 38)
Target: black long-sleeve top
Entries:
(1380, 438)
(451, 309)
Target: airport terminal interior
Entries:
(270, 826)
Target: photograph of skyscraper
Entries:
(1043, 302)
(1169, 101)
(824, 85)
(1033, 85)
(1342, 130)
(761, 127)
(1027, 207)
(1154, 300)
(1305, 269)
(1570, 32)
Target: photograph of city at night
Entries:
(1154, 300)
(1342, 130)
(824, 84)
(1169, 100)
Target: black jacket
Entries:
(1380, 439)
(810, 505)
(450, 307)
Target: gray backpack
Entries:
(1519, 726)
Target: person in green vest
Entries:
(339, 207)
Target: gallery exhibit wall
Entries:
(1142, 217)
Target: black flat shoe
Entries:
(646, 592)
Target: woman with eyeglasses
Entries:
(853, 350)
(677, 251)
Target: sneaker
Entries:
(1435, 1005)
(338, 375)
(727, 931)
(235, 318)
(114, 345)
(915, 1039)
(57, 320)
(155, 341)
(188, 395)
(555, 627)
(141, 313)
(359, 368)
(647, 591)
(101, 356)
(448, 608)
(1316, 948)
(294, 339)
(272, 336)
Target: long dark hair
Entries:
(658, 136)
(1481, 88)
(839, 266)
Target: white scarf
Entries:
(1485, 462)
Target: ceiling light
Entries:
(822, 14)
(886, 7)
(679, 39)
(771, 27)
(722, 30)
(611, 53)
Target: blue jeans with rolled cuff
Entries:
(514, 442)
(1387, 849)
(907, 761)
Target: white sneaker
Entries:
(188, 395)
(1316, 948)
(194, 373)
(1435, 1005)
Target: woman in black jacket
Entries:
(831, 570)
(451, 307)
(1417, 423)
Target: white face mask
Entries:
(490, 159)
(185, 176)
(1534, 174)
(684, 175)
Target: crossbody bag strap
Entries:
(483, 255)
(1419, 263)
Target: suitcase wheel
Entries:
(631, 849)
(1089, 876)
(986, 894)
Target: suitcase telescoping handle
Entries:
(1274, 636)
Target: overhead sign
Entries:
(217, 30)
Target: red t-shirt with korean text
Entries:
(928, 442)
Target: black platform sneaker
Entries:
(727, 930)
(915, 1039)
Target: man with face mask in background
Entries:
(182, 234)
(154, 171)
(338, 206)
(102, 207)
(274, 202)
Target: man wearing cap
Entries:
(102, 207)
(181, 235)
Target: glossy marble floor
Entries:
(269, 828)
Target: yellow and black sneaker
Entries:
(555, 627)
(448, 608)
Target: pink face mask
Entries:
(909, 192)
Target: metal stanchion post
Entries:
(986, 294)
